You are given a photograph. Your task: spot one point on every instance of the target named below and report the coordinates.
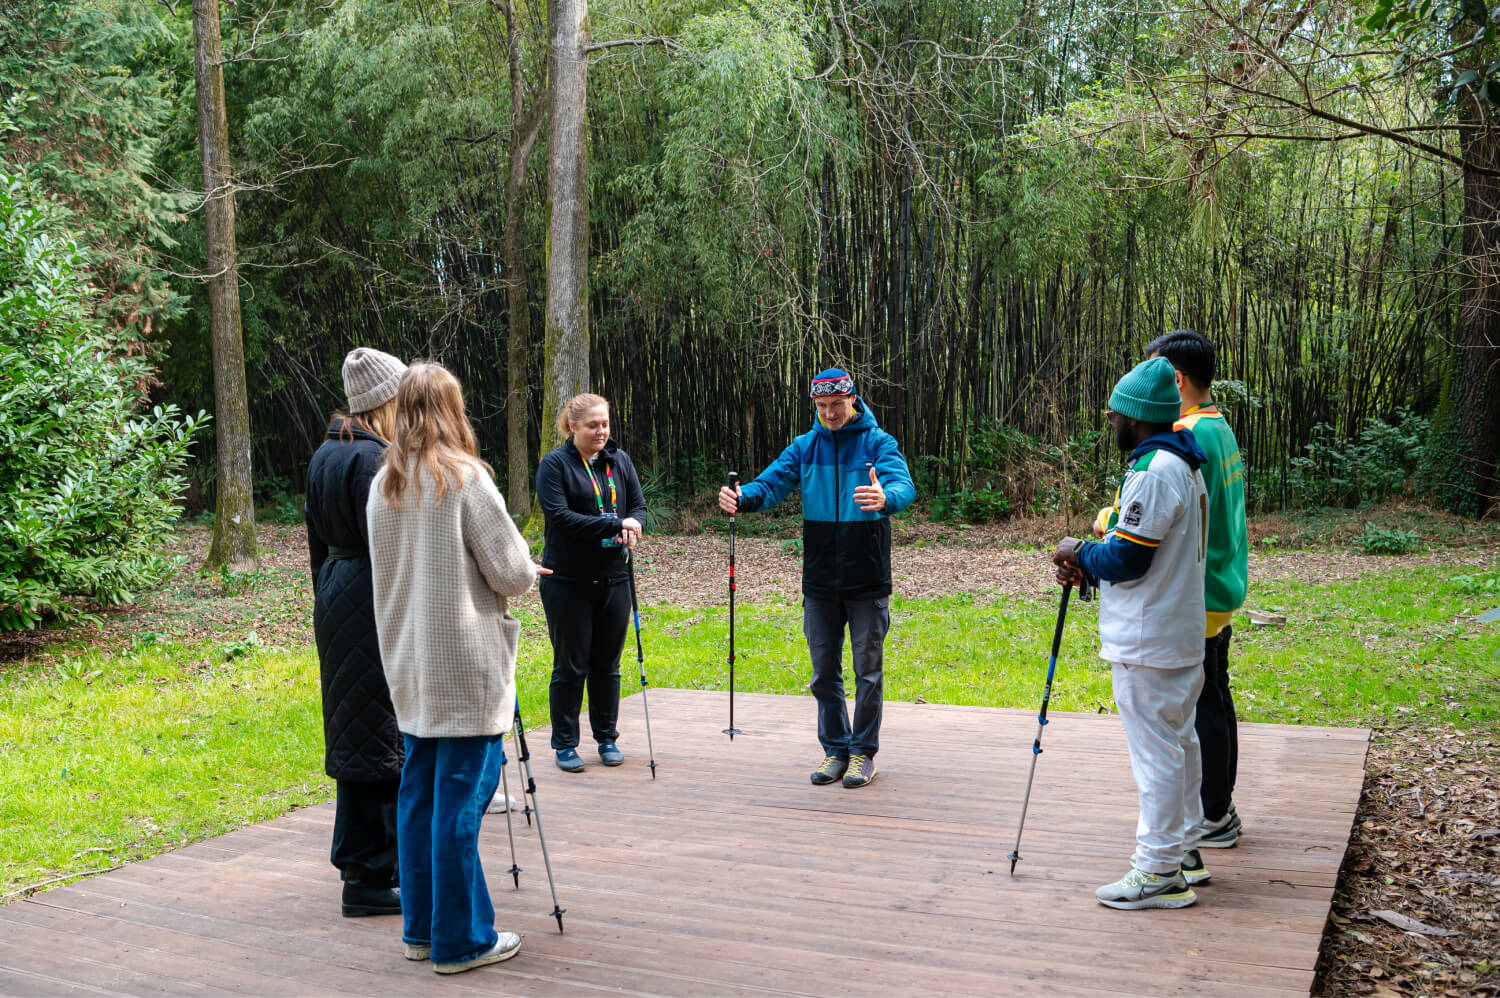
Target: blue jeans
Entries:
(823, 623)
(445, 785)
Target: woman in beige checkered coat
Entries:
(446, 560)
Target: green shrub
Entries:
(996, 447)
(88, 481)
(1009, 471)
(278, 502)
(981, 505)
(1370, 468)
(661, 511)
(1486, 584)
(1387, 540)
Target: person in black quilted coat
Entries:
(362, 747)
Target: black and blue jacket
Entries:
(846, 551)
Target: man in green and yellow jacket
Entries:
(1226, 573)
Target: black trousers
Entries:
(587, 622)
(823, 622)
(364, 832)
(1218, 733)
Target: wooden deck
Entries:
(731, 874)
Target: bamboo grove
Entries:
(984, 209)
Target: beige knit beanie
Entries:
(370, 378)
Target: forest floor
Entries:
(1415, 911)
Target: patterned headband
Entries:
(832, 386)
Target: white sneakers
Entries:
(507, 946)
(500, 803)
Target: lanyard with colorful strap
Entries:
(609, 473)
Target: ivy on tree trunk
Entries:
(234, 543)
(1477, 385)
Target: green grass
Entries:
(105, 759)
(113, 759)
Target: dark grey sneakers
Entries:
(831, 771)
(861, 771)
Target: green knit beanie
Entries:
(1148, 393)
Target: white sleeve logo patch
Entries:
(1133, 514)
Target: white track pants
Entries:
(1157, 708)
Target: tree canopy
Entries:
(984, 209)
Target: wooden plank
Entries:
(40, 984)
(730, 874)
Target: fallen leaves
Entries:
(1406, 924)
(1420, 882)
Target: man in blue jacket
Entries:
(853, 478)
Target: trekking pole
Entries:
(530, 788)
(640, 659)
(731, 731)
(514, 871)
(525, 802)
(1041, 718)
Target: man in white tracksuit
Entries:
(1150, 568)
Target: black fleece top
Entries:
(575, 530)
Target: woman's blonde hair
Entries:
(380, 421)
(432, 435)
(575, 408)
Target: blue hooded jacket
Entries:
(846, 551)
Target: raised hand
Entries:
(870, 497)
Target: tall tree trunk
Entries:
(234, 516)
(1477, 386)
(523, 135)
(568, 205)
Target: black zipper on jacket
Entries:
(838, 502)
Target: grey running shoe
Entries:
(861, 771)
(1221, 834)
(507, 946)
(1139, 889)
(1193, 870)
(831, 771)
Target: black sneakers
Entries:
(360, 900)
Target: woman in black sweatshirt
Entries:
(591, 498)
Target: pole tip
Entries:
(1013, 857)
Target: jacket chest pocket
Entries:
(851, 478)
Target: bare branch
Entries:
(669, 44)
